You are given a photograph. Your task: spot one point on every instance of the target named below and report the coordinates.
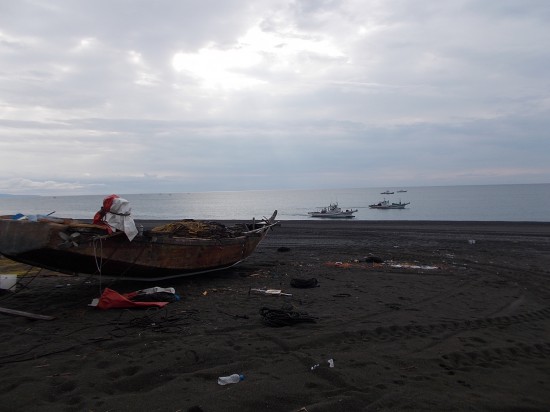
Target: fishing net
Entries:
(197, 229)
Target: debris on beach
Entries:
(26, 314)
(412, 266)
(304, 283)
(352, 265)
(151, 297)
(330, 364)
(389, 263)
(272, 292)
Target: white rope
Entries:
(99, 263)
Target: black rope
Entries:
(282, 317)
(304, 283)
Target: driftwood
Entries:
(26, 314)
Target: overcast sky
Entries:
(112, 96)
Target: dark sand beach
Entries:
(440, 324)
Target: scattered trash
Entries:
(157, 289)
(330, 364)
(304, 283)
(8, 282)
(141, 298)
(226, 380)
(472, 242)
(376, 263)
(274, 292)
(407, 266)
(155, 297)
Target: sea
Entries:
(508, 203)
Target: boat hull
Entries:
(332, 215)
(152, 256)
(389, 206)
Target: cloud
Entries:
(193, 96)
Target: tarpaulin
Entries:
(111, 299)
(115, 215)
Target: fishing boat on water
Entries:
(385, 204)
(387, 192)
(113, 246)
(333, 211)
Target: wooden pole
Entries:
(26, 314)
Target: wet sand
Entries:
(441, 324)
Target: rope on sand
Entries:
(282, 317)
(304, 283)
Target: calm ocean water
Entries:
(530, 202)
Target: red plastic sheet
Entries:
(111, 299)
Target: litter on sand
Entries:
(407, 266)
(157, 297)
(273, 292)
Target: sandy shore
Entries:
(441, 324)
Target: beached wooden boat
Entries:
(182, 248)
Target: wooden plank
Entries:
(26, 314)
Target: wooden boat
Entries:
(182, 248)
(387, 192)
(385, 204)
(333, 211)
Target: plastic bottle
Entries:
(226, 380)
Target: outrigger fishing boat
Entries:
(112, 246)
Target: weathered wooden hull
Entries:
(151, 256)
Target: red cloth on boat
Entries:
(100, 215)
(111, 299)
